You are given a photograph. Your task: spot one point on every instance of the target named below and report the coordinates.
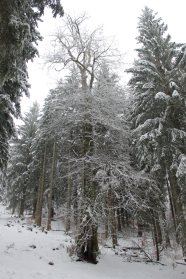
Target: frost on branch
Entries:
(162, 96)
(181, 172)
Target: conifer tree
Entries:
(22, 173)
(18, 39)
(158, 110)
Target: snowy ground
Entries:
(26, 254)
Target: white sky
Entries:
(119, 18)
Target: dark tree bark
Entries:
(51, 187)
(106, 213)
(155, 235)
(112, 219)
(122, 217)
(23, 202)
(40, 193)
(178, 209)
(119, 219)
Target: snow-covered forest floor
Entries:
(27, 252)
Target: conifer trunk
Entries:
(119, 219)
(106, 215)
(158, 228)
(127, 218)
(23, 202)
(167, 239)
(172, 206)
(180, 220)
(155, 235)
(51, 187)
(122, 217)
(40, 199)
(68, 196)
(34, 209)
(112, 219)
(38, 196)
(75, 204)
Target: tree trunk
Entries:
(68, 196)
(172, 207)
(38, 197)
(140, 229)
(155, 236)
(75, 204)
(51, 187)
(23, 202)
(122, 217)
(127, 218)
(179, 216)
(13, 209)
(34, 209)
(112, 219)
(106, 215)
(87, 242)
(35, 202)
(167, 239)
(119, 220)
(158, 228)
(40, 200)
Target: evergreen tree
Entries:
(18, 37)
(158, 110)
(22, 173)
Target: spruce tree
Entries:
(158, 111)
(22, 173)
(18, 40)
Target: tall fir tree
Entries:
(158, 111)
(22, 173)
(18, 39)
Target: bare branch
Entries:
(86, 49)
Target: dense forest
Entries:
(110, 158)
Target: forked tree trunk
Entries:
(51, 187)
(87, 242)
(40, 198)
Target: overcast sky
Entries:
(119, 18)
